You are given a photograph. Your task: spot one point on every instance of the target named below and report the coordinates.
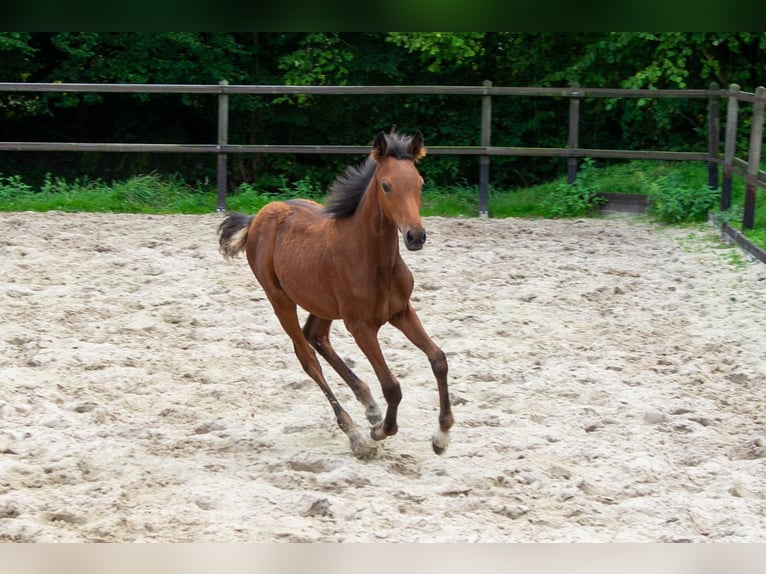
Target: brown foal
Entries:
(342, 261)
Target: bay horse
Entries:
(342, 261)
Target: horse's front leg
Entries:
(408, 323)
(366, 336)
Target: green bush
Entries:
(674, 200)
(304, 188)
(13, 185)
(577, 199)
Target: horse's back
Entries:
(304, 203)
(280, 211)
(282, 216)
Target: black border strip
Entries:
(743, 242)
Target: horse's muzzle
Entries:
(414, 240)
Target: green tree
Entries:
(592, 59)
(16, 56)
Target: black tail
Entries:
(232, 234)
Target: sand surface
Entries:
(608, 379)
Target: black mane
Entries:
(398, 146)
(348, 188)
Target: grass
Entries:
(699, 240)
(460, 201)
(153, 193)
(142, 194)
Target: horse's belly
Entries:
(316, 304)
(310, 287)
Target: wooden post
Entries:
(730, 145)
(713, 136)
(223, 139)
(574, 133)
(754, 158)
(486, 134)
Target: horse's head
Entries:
(400, 184)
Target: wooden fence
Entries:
(750, 169)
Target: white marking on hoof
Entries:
(377, 432)
(440, 441)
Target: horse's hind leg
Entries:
(285, 310)
(317, 332)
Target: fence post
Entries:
(754, 158)
(713, 136)
(730, 145)
(574, 132)
(486, 133)
(223, 139)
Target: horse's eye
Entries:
(386, 187)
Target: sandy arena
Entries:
(608, 379)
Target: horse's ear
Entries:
(416, 147)
(379, 146)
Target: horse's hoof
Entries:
(377, 432)
(365, 451)
(362, 449)
(440, 441)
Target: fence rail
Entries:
(749, 170)
(225, 88)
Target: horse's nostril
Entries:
(419, 238)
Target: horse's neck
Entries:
(379, 235)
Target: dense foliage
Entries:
(595, 59)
